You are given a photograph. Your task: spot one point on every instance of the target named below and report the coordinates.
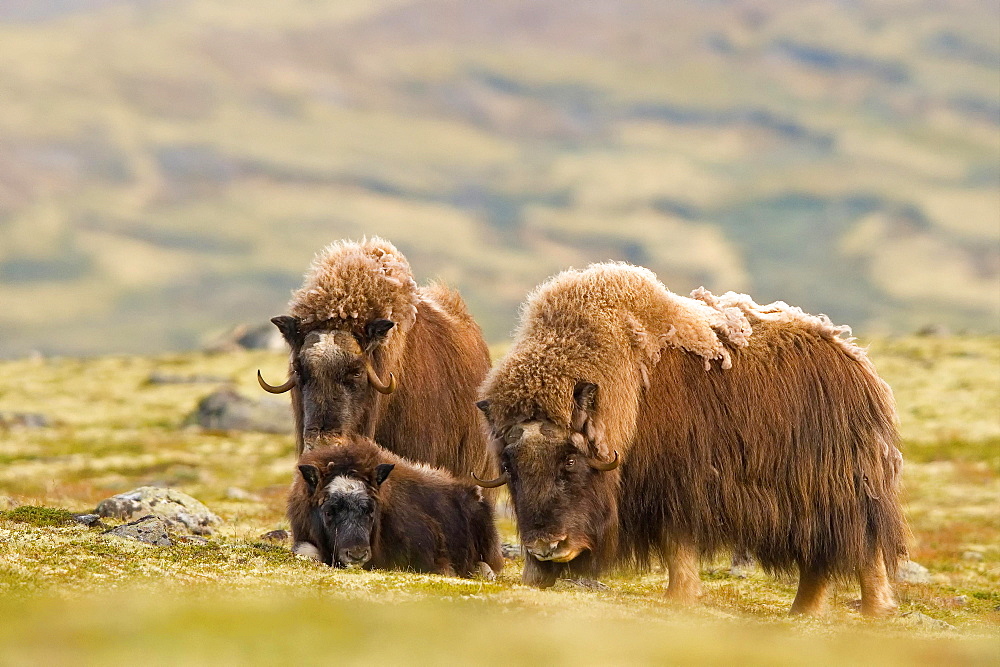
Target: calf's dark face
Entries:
(330, 368)
(561, 489)
(344, 513)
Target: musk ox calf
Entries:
(354, 504)
(632, 423)
(372, 353)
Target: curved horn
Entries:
(280, 389)
(604, 466)
(376, 381)
(493, 483)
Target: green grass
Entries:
(38, 516)
(70, 593)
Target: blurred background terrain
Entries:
(168, 169)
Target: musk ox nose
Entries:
(354, 556)
(545, 548)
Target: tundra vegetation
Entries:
(68, 592)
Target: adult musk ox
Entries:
(355, 504)
(632, 423)
(374, 354)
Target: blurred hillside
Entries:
(169, 168)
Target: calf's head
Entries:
(344, 511)
(332, 371)
(561, 487)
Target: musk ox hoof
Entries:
(306, 550)
(588, 584)
(484, 571)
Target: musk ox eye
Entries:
(570, 462)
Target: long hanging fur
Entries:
(756, 429)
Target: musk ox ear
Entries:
(310, 474)
(376, 332)
(382, 471)
(288, 326)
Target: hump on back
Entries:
(632, 424)
(374, 354)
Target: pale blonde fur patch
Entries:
(732, 303)
(355, 283)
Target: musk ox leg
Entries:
(684, 583)
(307, 549)
(542, 574)
(484, 571)
(877, 599)
(810, 599)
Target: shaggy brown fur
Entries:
(424, 519)
(434, 349)
(784, 448)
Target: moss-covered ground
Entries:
(69, 593)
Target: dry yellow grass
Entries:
(71, 594)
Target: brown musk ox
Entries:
(355, 504)
(633, 424)
(373, 353)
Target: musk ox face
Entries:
(344, 512)
(332, 370)
(562, 492)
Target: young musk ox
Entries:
(355, 504)
(374, 354)
(632, 423)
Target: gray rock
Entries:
(227, 410)
(913, 573)
(262, 337)
(179, 510)
(275, 536)
(244, 337)
(156, 377)
(923, 620)
(511, 551)
(24, 420)
(148, 529)
(89, 520)
(236, 493)
(973, 556)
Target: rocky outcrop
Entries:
(227, 410)
(149, 529)
(178, 510)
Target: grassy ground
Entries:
(69, 593)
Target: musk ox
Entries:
(355, 504)
(632, 423)
(374, 354)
